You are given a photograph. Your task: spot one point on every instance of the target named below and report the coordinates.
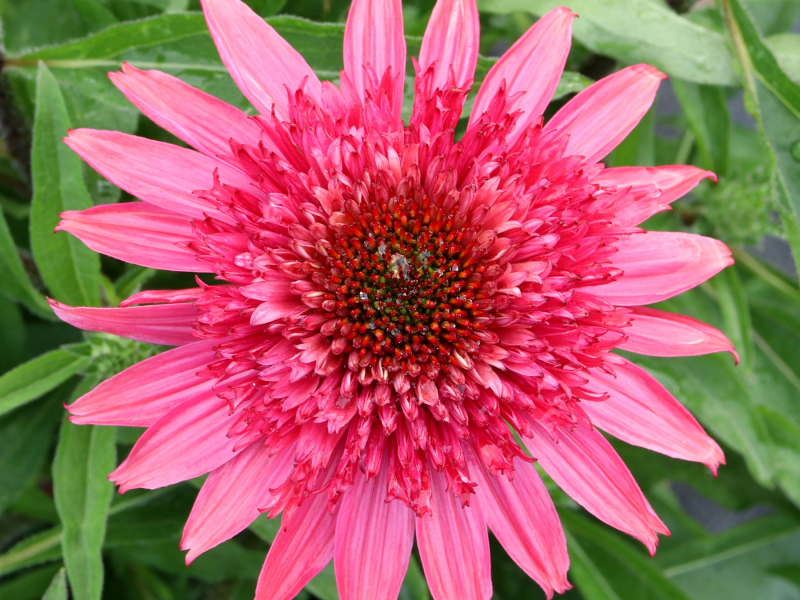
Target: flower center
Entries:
(409, 285)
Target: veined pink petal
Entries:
(264, 66)
(532, 67)
(453, 544)
(659, 264)
(374, 36)
(587, 468)
(164, 296)
(660, 333)
(158, 173)
(524, 520)
(603, 115)
(168, 324)
(373, 541)
(142, 394)
(199, 119)
(302, 548)
(451, 40)
(641, 412)
(231, 496)
(674, 181)
(277, 298)
(135, 232)
(189, 441)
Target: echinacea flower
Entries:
(397, 308)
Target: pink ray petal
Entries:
(136, 232)
(602, 115)
(452, 39)
(373, 540)
(231, 496)
(158, 173)
(169, 324)
(661, 264)
(532, 67)
(164, 296)
(142, 394)
(374, 36)
(454, 547)
(660, 333)
(302, 548)
(522, 516)
(189, 441)
(278, 300)
(587, 468)
(674, 181)
(641, 412)
(199, 119)
(264, 65)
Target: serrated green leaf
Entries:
(70, 270)
(706, 110)
(37, 377)
(16, 283)
(86, 454)
(774, 101)
(635, 31)
(26, 441)
(609, 568)
(58, 588)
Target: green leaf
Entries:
(635, 31)
(29, 585)
(786, 48)
(736, 313)
(323, 585)
(35, 550)
(774, 100)
(706, 110)
(414, 585)
(638, 149)
(12, 334)
(58, 588)
(605, 567)
(734, 565)
(84, 458)
(26, 442)
(786, 443)
(69, 268)
(16, 283)
(37, 377)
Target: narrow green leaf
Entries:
(35, 550)
(323, 585)
(736, 312)
(37, 377)
(26, 441)
(414, 585)
(29, 585)
(774, 100)
(786, 443)
(86, 454)
(609, 568)
(639, 148)
(69, 268)
(58, 588)
(635, 31)
(706, 110)
(12, 334)
(16, 283)
(786, 48)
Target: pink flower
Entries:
(395, 303)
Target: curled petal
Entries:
(451, 40)
(184, 110)
(142, 394)
(169, 324)
(587, 468)
(453, 544)
(661, 264)
(674, 181)
(532, 67)
(660, 333)
(641, 412)
(602, 115)
(373, 541)
(137, 233)
(264, 66)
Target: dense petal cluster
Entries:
(397, 305)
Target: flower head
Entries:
(395, 304)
